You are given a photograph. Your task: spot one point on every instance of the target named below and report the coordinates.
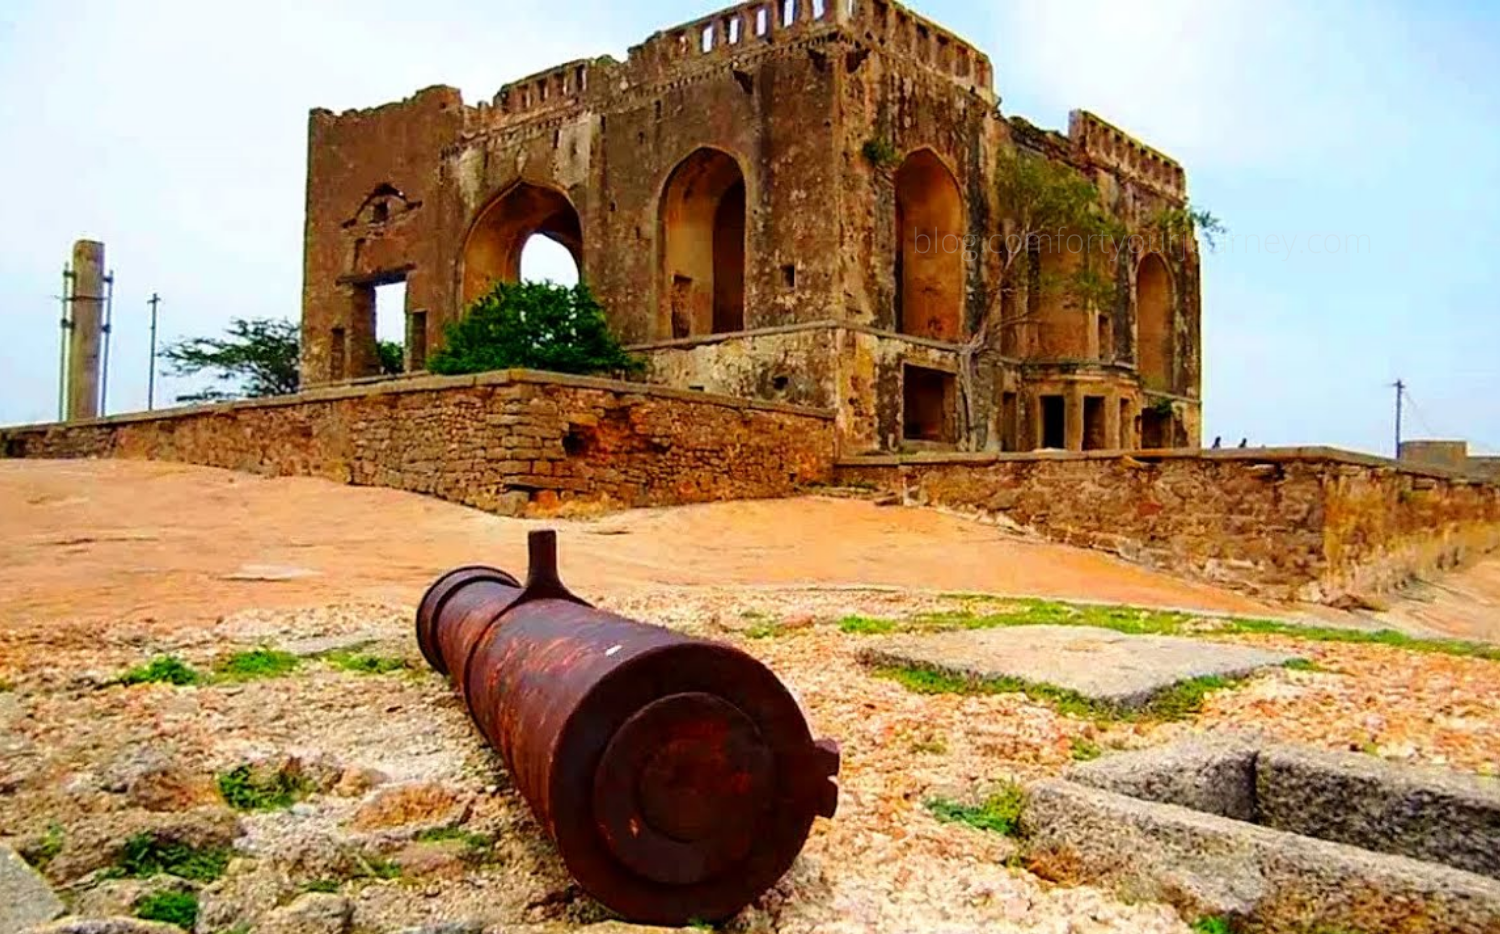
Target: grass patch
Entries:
(365, 663)
(45, 850)
(469, 837)
(179, 908)
(246, 790)
(1213, 924)
(1178, 702)
(1000, 812)
(866, 626)
(6, 686)
(1083, 749)
(930, 745)
(164, 669)
(1185, 698)
(375, 866)
(325, 886)
(144, 856)
(1303, 664)
(1389, 637)
(752, 614)
(762, 631)
(257, 663)
(478, 847)
(1141, 621)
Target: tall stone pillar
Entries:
(88, 316)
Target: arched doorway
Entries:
(1156, 340)
(493, 249)
(702, 239)
(930, 249)
(545, 260)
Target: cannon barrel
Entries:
(677, 776)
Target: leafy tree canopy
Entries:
(257, 357)
(532, 325)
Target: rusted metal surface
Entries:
(677, 776)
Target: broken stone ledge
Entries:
(1281, 837)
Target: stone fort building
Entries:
(760, 199)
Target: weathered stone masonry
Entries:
(1289, 523)
(1301, 523)
(498, 442)
(717, 185)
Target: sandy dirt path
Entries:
(169, 544)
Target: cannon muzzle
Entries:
(677, 776)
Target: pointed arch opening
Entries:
(492, 251)
(702, 236)
(930, 249)
(1156, 338)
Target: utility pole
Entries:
(1400, 393)
(151, 374)
(88, 299)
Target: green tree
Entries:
(1044, 201)
(533, 325)
(258, 357)
(392, 356)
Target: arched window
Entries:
(702, 239)
(1156, 338)
(492, 252)
(930, 249)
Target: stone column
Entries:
(1073, 413)
(88, 316)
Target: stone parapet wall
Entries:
(499, 441)
(1289, 523)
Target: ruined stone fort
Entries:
(793, 213)
(717, 191)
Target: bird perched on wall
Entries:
(1218, 441)
(1244, 442)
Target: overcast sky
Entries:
(176, 133)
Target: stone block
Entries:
(1124, 671)
(25, 897)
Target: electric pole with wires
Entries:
(1400, 394)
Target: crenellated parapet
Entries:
(556, 88)
(1110, 146)
(895, 29)
(730, 33)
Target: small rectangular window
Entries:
(928, 412)
(391, 326)
(1095, 438)
(1054, 422)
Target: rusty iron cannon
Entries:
(676, 775)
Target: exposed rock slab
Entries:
(1103, 665)
(25, 897)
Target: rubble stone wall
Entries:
(499, 441)
(1288, 523)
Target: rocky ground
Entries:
(398, 816)
(346, 791)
